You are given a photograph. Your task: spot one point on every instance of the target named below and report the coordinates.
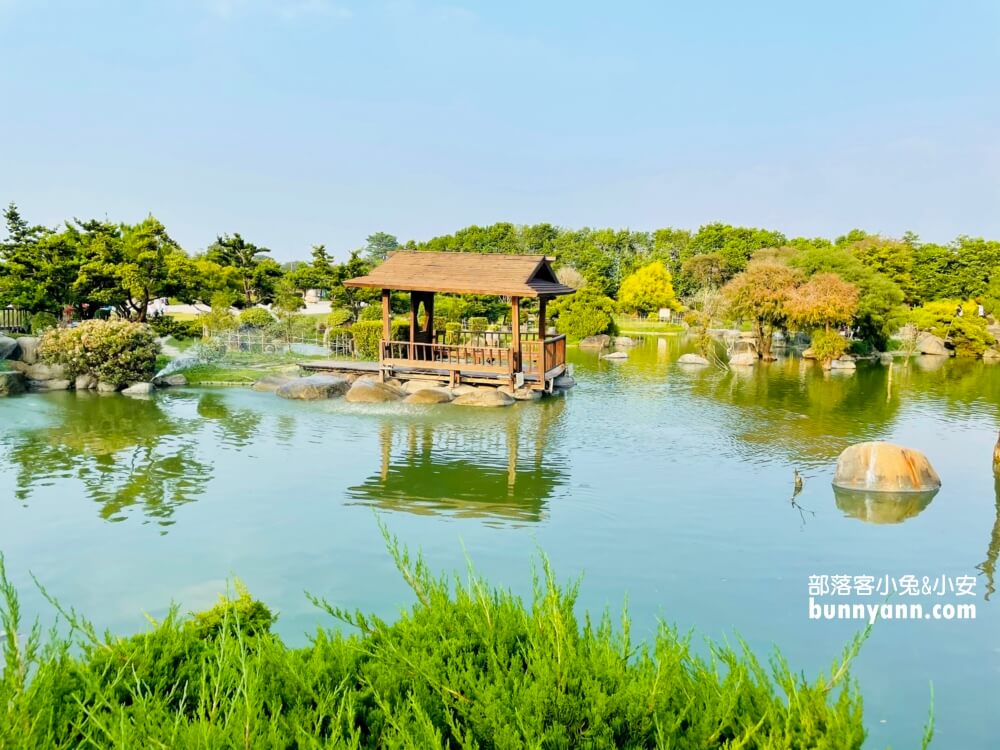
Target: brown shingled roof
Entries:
(465, 273)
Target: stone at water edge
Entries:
(692, 359)
(413, 386)
(564, 381)
(461, 390)
(8, 348)
(271, 383)
(991, 355)
(624, 341)
(177, 380)
(930, 344)
(595, 342)
(884, 467)
(313, 388)
(373, 392)
(808, 353)
(85, 383)
(27, 347)
(429, 396)
(52, 384)
(488, 397)
(743, 359)
(843, 364)
(40, 371)
(615, 355)
(139, 389)
(521, 394)
(103, 387)
(12, 383)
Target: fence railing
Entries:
(12, 319)
(258, 341)
(491, 359)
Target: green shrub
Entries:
(370, 312)
(337, 318)
(113, 351)
(452, 333)
(450, 309)
(478, 324)
(256, 317)
(165, 325)
(827, 346)
(586, 313)
(367, 334)
(966, 333)
(43, 321)
(220, 318)
(467, 666)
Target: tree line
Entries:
(719, 270)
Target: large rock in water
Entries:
(271, 383)
(429, 396)
(139, 389)
(373, 392)
(884, 467)
(484, 397)
(27, 347)
(692, 359)
(40, 371)
(11, 383)
(52, 384)
(928, 343)
(521, 394)
(414, 386)
(85, 382)
(8, 347)
(743, 359)
(313, 388)
(595, 342)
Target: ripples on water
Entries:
(670, 483)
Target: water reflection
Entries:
(882, 507)
(125, 452)
(988, 566)
(497, 469)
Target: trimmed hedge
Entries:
(368, 333)
(256, 317)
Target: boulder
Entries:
(843, 364)
(994, 331)
(928, 343)
(884, 467)
(692, 359)
(103, 387)
(885, 358)
(271, 383)
(521, 394)
(415, 386)
(564, 381)
(429, 396)
(27, 347)
(743, 359)
(808, 353)
(615, 355)
(313, 388)
(85, 382)
(373, 392)
(461, 390)
(52, 384)
(177, 380)
(624, 341)
(40, 371)
(489, 397)
(139, 389)
(12, 383)
(8, 348)
(991, 355)
(595, 342)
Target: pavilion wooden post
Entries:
(541, 340)
(414, 308)
(515, 334)
(386, 332)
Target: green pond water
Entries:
(670, 486)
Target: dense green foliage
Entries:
(827, 346)
(368, 333)
(165, 325)
(42, 321)
(256, 317)
(966, 332)
(113, 351)
(586, 313)
(467, 666)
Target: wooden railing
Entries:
(489, 359)
(14, 320)
(540, 357)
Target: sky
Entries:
(297, 122)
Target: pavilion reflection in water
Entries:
(493, 469)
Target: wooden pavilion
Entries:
(517, 357)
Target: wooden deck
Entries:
(352, 366)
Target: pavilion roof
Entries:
(465, 273)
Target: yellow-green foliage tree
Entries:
(760, 295)
(966, 332)
(647, 290)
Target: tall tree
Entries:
(255, 272)
(647, 290)
(760, 295)
(379, 245)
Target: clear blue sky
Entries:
(304, 121)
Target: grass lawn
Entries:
(628, 325)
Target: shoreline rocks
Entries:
(485, 397)
(429, 396)
(12, 383)
(365, 391)
(692, 359)
(313, 388)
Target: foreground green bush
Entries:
(468, 666)
(368, 333)
(113, 351)
(43, 321)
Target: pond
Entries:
(668, 486)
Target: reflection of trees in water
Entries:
(236, 427)
(988, 566)
(495, 467)
(125, 452)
